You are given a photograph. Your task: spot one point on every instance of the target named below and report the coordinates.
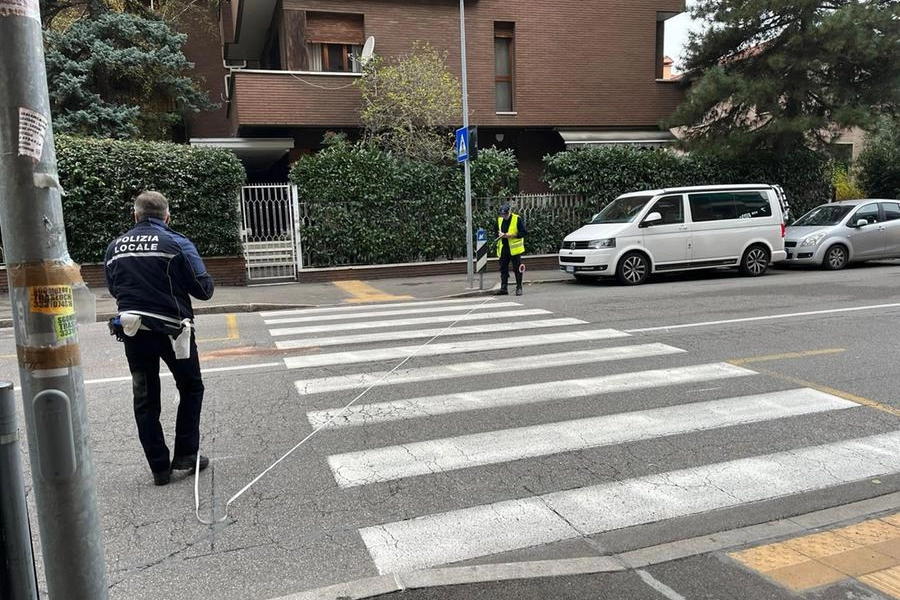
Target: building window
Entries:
(335, 58)
(334, 41)
(504, 66)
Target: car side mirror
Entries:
(861, 222)
(651, 219)
(591, 220)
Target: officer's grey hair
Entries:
(150, 204)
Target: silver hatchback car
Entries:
(837, 233)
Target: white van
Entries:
(680, 229)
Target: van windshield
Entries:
(827, 214)
(621, 210)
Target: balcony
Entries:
(294, 99)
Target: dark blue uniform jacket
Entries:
(154, 269)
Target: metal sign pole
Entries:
(470, 268)
(41, 279)
(17, 581)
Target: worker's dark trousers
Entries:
(144, 352)
(505, 259)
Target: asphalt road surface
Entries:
(576, 420)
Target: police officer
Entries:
(152, 271)
(510, 247)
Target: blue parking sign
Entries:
(462, 144)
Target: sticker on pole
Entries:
(32, 130)
(65, 326)
(51, 299)
(20, 8)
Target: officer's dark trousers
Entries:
(505, 259)
(144, 352)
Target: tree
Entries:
(879, 162)
(779, 73)
(410, 104)
(119, 75)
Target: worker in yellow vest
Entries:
(510, 247)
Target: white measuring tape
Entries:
(213, 519)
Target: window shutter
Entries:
(334, 28)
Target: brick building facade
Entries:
(541, 75)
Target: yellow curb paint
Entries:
(822, 388)
(786, 355)
(232, 332)
(363, 292)
(887, 581)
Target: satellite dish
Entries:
(367, 51)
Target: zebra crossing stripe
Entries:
(411, 334)
(413, 408)
(356, 308)
(331, 327)
(478, 531)
(482, 367)
(461, 347)
(414, 310)
(492, 447)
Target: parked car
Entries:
(680, 229)
(835, 234)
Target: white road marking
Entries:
(410, 310)
(378, 306)
(164, 374)
(411, 334)
(331, 327)
(483, 367)
(461, 347)
(492, 447)
(468, 533)
(764, 318)
(429, 406)
(658, 585)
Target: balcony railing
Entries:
(294, 98)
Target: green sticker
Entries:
(65, 326)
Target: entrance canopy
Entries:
(257, 154)
(645, 138)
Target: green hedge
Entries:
(602, 173)
(102, 177)
(366, 206)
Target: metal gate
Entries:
(270, 232)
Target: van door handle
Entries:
(683, 228)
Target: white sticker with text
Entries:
(32, 130)
(21, 8)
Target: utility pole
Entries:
(41, 276)
(470, 258)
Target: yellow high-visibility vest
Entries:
(516, 244)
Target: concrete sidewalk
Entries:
(297, 295)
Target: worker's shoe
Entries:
(187, 463)
(161, 477)
(518, 290)
(501, 292)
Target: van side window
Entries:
(671, 208)
(718, 206)
(714, 206)
(750, 205)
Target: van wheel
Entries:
(836, 258)
(755, 261)
(633, 269)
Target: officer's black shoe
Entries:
(518, 290)
(501, 292)
(161, 477)
(186, 463)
